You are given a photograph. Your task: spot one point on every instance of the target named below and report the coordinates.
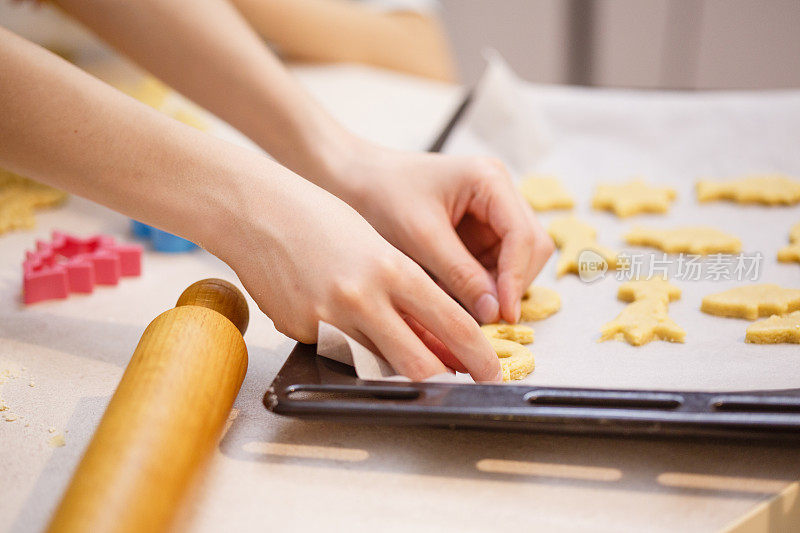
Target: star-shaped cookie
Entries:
(573, 237)
(645, 318)
(752, 301)
(775, 329)
(790, 253)
(545, 193)
(769, 189)
(633, 197)
(700, 240)
(538, 303)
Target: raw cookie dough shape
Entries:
(539, 303)
(790, 253)
(700, 240)
(752, 301)
(633, 197)
(775, 330)
(769, 189)
(645, 318)
(572, 237)
(516, 360)
(544, 193)
(510, 332)
(20, 198)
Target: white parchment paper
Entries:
(587, 136)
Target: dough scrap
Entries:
(539, 303)
(790, 253)
(775, 329)
(768, 189)
(657, 288)
(752, 301)
(633, 197)
(21, 197)
(510, 332)
(645, 318)
(572, 237)
(700, 240)
(516, 360)
(545, 193)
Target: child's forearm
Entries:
(337, 30)
(205, 50)
(67, 129)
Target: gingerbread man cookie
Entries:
(775, 329)
(545, 193)
(790, 253)
(516, 360)
(752, 301)
(539, 303)
(645, 318)
(633, 197)
(699, 240)
(510, 332)
(574, 237)
(770, 189)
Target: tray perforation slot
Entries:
(756, 404)
(604, 400)
(345, 393)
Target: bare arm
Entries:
(344, 30)
(206, 50)
(303, 254)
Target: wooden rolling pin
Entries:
(165, 417)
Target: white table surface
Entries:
(271, 472)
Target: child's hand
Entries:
(307, 256)
(458, 217)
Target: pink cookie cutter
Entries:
(70, 264)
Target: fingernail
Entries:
(518, 310)
(487, 308)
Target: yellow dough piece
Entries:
(545, 193)
(657, 288)
(791, 252)
(516, 360)
(699, 240)
(572, 237)
(149, 91)
(769, 189)
(633, 197)
(510, 332)
(752, 301)
(539, 303)
(20, 197)
(645, 318)
(775, 330)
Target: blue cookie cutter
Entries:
(161, 240)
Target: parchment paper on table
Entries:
(771, 189)
(645, 318)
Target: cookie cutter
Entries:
(70, 264)
(160, 240)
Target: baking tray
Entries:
(313, 387)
